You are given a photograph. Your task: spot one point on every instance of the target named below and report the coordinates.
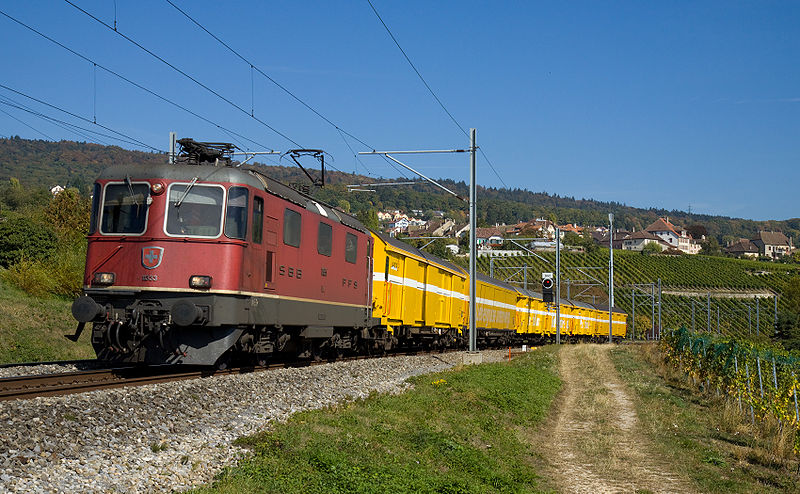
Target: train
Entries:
(206, 261)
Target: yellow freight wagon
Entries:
(415, 294)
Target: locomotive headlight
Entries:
(198, 281)
(157, 188)
(103, 279)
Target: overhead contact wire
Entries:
(191, 78)
(133, 83)
(284, 89)
(430, 90)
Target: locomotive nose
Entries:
(84, 309)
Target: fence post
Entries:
(775, 382)
(749, 393)
(738, 391)
(794, 392)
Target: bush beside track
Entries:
(458, 431)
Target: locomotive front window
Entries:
(195, 210)
(125, 209)
(236, 216)
(95, 209)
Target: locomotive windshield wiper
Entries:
(133, 196)
(186, 192)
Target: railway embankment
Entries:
(173, 436)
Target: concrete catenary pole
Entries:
(473, 250)
(610, 275)
(558, 287)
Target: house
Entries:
(638, 240)
(489, 236)
(601, 238)
(675, 236)
(773, 244)
(742, 248)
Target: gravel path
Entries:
(173, 436)
(596, 444)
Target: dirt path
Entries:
(594, 443)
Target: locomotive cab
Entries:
(161, 248)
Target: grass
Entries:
(32, 328)
(703, 435)
(464, 430)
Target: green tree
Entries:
(651, 248)
(68, 214)
(711, 247)
(369, 217)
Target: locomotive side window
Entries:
(350, 248)
(125, 209)
(325, 239)
(95, 209)
(258, 219)
(195, 210)
(236, 216)
(291, 228)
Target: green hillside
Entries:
(41, 163)
(693, 277)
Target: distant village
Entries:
(662, 236)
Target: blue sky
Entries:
(652, 104)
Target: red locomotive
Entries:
(187, 261)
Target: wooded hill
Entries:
(41, 163)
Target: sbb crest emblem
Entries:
(152, 256)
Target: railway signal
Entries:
(547, 287)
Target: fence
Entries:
(764, 381)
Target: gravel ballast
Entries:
(173, 436)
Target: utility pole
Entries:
(473, 250)
(558, 287)
(610, 275)
(474, 356)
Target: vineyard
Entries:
(728, 296)
(762, 380)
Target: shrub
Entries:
(22, 238)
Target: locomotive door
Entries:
(271, 247)
(253, 269)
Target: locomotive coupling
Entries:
(84, 309)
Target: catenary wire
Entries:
(64, 124)
(125, 136)
(461, 127)
(27, 125)
(133, 83)
(252, 66)
(185, 74)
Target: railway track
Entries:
(64, 383)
